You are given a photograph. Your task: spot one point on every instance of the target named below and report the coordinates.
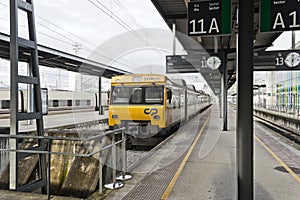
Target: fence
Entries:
(92, 137)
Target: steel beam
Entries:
(244, 131)
(225, 86)
(14, 55)
(100, 96)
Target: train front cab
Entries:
(138, 103)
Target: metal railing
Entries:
(90, 136)
(283, 108)
(4, 156)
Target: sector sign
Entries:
(279, 15)
(209, 18)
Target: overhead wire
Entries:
(111, 14)
(133, 19)
(72, 42)
(80, 38)
(119, 21)
(68, 43)
(140, 26)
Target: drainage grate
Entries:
(154, 184)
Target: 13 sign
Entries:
(279, 15)
(277, 60)
(209, 18)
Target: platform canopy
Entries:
(175, 11)
(57, 59)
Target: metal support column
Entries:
(221, 96)
(245, 100)
(100, 96)
(174, 38)
(224, 92)
(14, 128)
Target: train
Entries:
(55, 100)
(150, 105)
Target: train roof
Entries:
(191, 87)
(179, 82)
(152, 78)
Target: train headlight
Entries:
(156, 117)
(115, 116)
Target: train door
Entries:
(169, 106)
(182, 106)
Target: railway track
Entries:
(288, 133)
(137, 157)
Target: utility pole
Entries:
(76, 47)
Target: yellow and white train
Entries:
(149, 105)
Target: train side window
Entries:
(77, 102)
(55, 103)
(69, 102)
(5, 104)
(88, 102)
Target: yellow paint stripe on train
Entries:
(141, 78)
(287, 168)
(183, 163)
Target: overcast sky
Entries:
(92, 24)
(95, 24)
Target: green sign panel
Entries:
(210, 17)
(279, 15)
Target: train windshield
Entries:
(137, 95)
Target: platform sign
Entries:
(211, 17)
(193, 63)
(179, 64)
(277, 60)
(279, 15)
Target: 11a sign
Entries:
(209, 18)
(279, 15)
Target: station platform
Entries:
(202, 165)
(59, 120)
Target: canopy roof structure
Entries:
(57, 59)
(175, 12)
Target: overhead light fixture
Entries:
(29, 54)
(71, 64)
(199, 39)
(97, 70)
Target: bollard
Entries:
(100, 172)
(125, 176)
(115, 184)
(49, 169)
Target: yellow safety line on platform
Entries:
(177, 174)
(287, 168)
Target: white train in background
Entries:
(56, 100)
